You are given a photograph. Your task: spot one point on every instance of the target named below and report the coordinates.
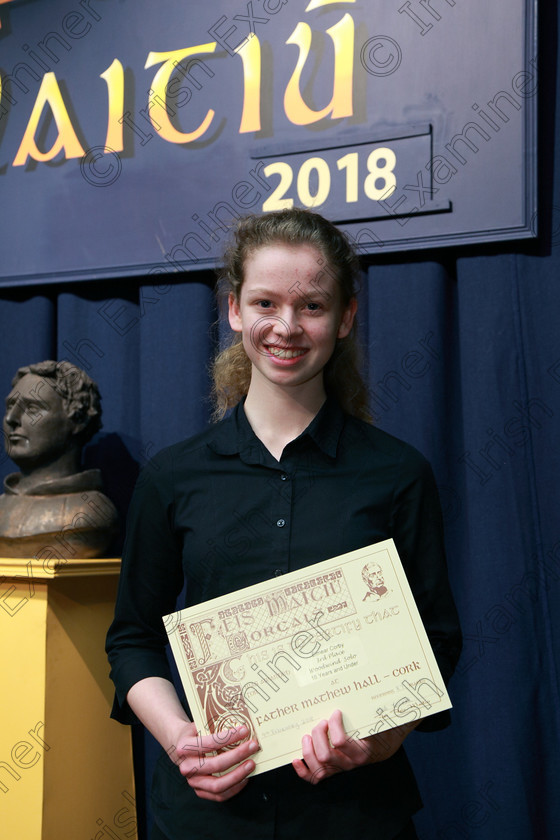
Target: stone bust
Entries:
(52, 508)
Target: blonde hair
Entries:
(231, 369)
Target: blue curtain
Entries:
(463, 360)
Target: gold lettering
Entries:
(317, 4)
(250, 54)
(49, 94)
(341, 104)
(158, 93)
(114, 77)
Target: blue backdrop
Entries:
(464, 362)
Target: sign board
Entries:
(133, 132)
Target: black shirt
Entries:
(220, 513)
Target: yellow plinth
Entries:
(65, 766)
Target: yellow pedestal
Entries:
(65, 766)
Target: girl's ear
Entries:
(234, 313)
(347, 319)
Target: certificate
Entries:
(284, 654)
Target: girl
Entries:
(293, 475)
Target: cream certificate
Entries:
(284, 654)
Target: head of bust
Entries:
(53, 409)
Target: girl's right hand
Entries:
(198, 760)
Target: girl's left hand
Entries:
(329, 749)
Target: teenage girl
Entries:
(294, 474)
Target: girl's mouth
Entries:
(284, 352)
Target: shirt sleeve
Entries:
(417, 527)
(150, 582)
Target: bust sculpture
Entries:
(52, 508)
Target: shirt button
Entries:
(280, 523)
(284, 477)
(278, 572)
(265, 797)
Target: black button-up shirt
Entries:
(219, 513)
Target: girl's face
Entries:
(289, 313)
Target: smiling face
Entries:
(290, 314)
(36, 426)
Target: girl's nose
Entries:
(288, 324)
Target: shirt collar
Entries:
(234, 435)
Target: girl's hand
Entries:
(197, 760)
(329, 750)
